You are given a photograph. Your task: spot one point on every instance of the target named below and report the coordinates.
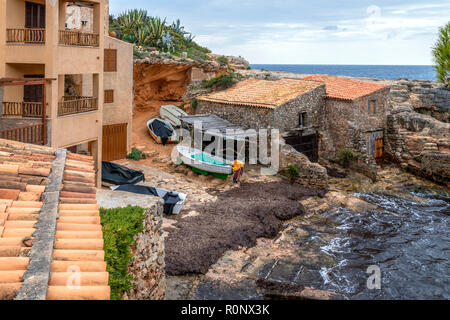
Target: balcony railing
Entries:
(33, 134)
(76, 104)
(76, 38)
(25, 35)
(22, 109)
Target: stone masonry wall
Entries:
(311, 174)
(250, 117)
(148, 265)
(283, 118)
(347, 123)
(426, 97)
(312, 102)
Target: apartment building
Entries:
(85, 103)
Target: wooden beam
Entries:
(44, 114)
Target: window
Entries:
(302, 120)
(372, 106)
(34, 15)
(110, 60)
(109, 96)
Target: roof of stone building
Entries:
(262, 93)
(49, 226)
(346, 89)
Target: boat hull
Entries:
(185, 155)
(172, 114)
(172, 139)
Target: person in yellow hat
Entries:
(238, 169)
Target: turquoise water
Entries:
(207, 159)
(370, 71)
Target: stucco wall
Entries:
(121, 110)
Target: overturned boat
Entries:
(162, 131)
(172, 114)
(205, 163)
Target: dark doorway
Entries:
(33, 93)
(34, 15)
(308, 145)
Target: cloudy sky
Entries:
(309, 32)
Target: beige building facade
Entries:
(47, 39)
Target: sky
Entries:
(390, 32)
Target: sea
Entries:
(388, 72)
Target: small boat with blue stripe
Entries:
(205, 163)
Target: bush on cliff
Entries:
(224, 81)
(441, 52)
(138, 27)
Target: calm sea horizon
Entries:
(388, 72)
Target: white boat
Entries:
(204, 163)
(172, 114)
(172, 137)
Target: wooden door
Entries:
(308, 145)
(33, 93)
(114, 145)
(34, 15)
(379, 150)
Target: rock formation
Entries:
(420, 143)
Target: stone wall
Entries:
(420, 143)
(312, 102)
(311, 174)
(426, 97)
(348, 124)
(283, 118)
(148, 265)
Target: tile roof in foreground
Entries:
(346, 89)
(262, 93)
(38, 184)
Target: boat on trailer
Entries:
(205, 163)
(162, 131)
(172, 114)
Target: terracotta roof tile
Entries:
(262, 93)
(24, 170)
(346, 89)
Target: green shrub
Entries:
(136, 155)
(224, 81)
(345, 157)
(120, 226)
(194, 104)
(291, 172)
(222, 61)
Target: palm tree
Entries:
(441, 52)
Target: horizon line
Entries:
(342, 64)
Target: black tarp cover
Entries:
(118, 175)
(170, 198)
(160, 129)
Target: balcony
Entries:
(76, 38)
(26, 36)
(33, 133)
(22, 109)
(76, 104)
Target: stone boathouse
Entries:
(355, 117)
(318, 116)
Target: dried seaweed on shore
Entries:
(237, 218)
